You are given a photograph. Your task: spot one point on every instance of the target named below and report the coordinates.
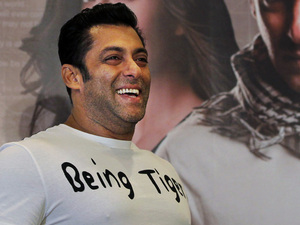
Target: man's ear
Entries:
(71, 76)
(252, 8)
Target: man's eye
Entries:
(142, 61)
(113, 60)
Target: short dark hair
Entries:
(75, 39)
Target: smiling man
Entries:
(87, 171)
(244, 145)
(117, 83)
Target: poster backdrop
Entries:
(33, 97)
(236, 153)
(17, 18)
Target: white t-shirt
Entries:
(228, 185)
(65, 176)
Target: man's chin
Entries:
(134, 118)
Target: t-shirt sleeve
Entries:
(22, 196)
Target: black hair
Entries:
(75, 39)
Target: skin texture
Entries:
(117, 60)
(279, 25)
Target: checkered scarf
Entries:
(261, 110)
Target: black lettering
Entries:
(108, 174)
(162, 180)
(172, 187)
(89, 179)
(101, 180)
(179, 187)
(67, 165)
(98, 174)
(126, 184)
(148, 172)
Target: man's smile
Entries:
(128, 91)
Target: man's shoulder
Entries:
(24, 141)
(39, 143)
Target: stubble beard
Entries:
(109, 112)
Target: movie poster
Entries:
(224, 102)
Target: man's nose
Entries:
(132, 69)
(295, 25)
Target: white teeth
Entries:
(128, 91)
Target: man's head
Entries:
(279, 25)
(105, 64)
(75, 39)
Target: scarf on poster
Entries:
(261, 110)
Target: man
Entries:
(87, 171)
(225, 183)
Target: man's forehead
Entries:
(114, 33)
(116, 38)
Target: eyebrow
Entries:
(119, 49)
(141, 50)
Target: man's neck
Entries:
(86, 125)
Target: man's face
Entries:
(279, 25)
(158, 27)
(120, 79)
